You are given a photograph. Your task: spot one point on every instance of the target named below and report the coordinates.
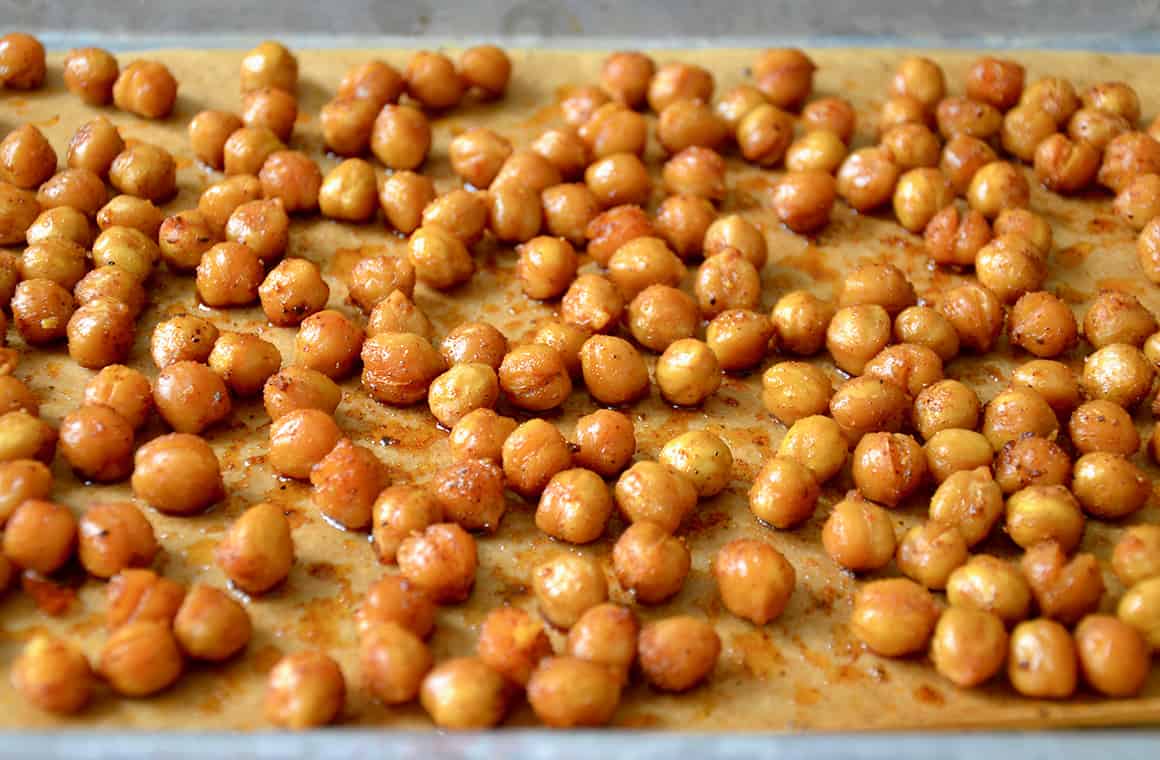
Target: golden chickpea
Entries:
(592, 302)
(56, 259)
(270, 64)
(888, 467)
(564, 152)
(1017, 412)
(1109, 486)
(97, 442)
(894, 617)
(605, 442)
(348, 192)
(992, 585)
(568, 209)
(902, 109)
(818, 150)
(432, 80)
(660, 315)
(532, 454)
(18, 210)
(657, 493)
(293, 178)
(930, 552)
(401, 137)
(22, 480)
(567, 692)
(53, 675)
(574, 507)
(293, 388)
(293, 291)
(1113, 97)
(567, 586)
(606, 635)
(533, 377)
(784, 493)
(1024, 128)
(794, 390)
(1042, 661)
(528, 169)
(971, 500)
(514, 213)
(997, 186)
(740, 338)
(1136, 557)
(1101, 425)
(135, 595)
(346, 482)
(912, 146)
(218, 203)
(211, 625)
(41, 310)
(962, 157)
(678, 81)
(955, 239)
(696, 171)
(245, 362)
(40, 536)
(304, 690)
(996, 81)
(858, 534)
(1031, 460)
(128, 248)
(785, 76)
(329, 342)
(1010, 266)
(686, 123)
(803, 200)
(440, 259)
(208, 133)
(1113, 656)
(486, 68)
(910, 366)
(830, 114)
(155, 465)
(400, 511)
(22, 64)
(463, 693)
(474, 342)
(702, 457)
(867, 404)
(737, 232)
(184, 238)
(470, 493)
(16, 395)
(976, 313)
(625, 76)
(1097, 128)
(764, 134)
(618, 179)
(1140, 608)
(1127, 156)
(145, 171)
(1117, 317)
(478, 154)
(958, 115)
(683, 221)
(375, 81)
(182, 338)
(347, 124)
(1139, 202)
(613, 128)
(754, 580)
(1042, 324)
(650, 563)
(398, 313)
(229, 274)
(460, 390)
(882, 284)
(393, 661)
(480, 434)
(24, 436)
(726, 280)
(299, 440)
(1119, 373)
(124, 390)
(403, 196)
(140, 659)
(969, 646)
(272, 108)
(677, 653)
(607, 232)
(867, 177)
(1054, 95)
(919, 195)
(375, 278)
(77, 188)
(62, 223)
(818, 443)
(920, 78)
(856, 334)
(191, 397)
(26, 157)
(246, 150)
(257, 551)
(688, 372)
(1040, 513)
(1065, 166)
(800, 320)
(463, 213)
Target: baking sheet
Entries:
(802, 672)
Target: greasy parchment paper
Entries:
(803, 671)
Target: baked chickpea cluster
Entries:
(586, 433)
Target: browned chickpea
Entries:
(1138, 608)
(567, 692)
(784, 493)
(78, 188)
(398, 313)
(856, 334)
(958, 115)
(292, 292)
(1113, 656)
(894, 617)
(1097, 128)
(534, 377)
(803, 200)
(970, 500)
(247, 148)
(1116, 98)
(463, 388)
(127, 248)
(22, 64)
(703, 458)
(683, 221)
(800, 320)
(930, 552)
(954, 238)
(329, 342)
(124, 390)
(625, 76)
(1044, 513)
(650, 563)
(401, 137)
(969, 646)
(794, 390)
(155, 463)
(1042, 324)
(182, 338)
(22, 480)
(478, 154)
(1010, 266)
(976, 314)
(374, 81)
(696, 171)
(245, 362)
(97, 443)
(464, 693)
(528, 169)
(115, 536)
(403, 196)
(818, 443)
(1119, 373)
(94, 146)
(1066, 166)
(40, 536)
(919, 78)
(866, 404)
(1109, 486)
(686, 123)
(141, 658)
(1136, 557)
(902, 109)
(888, 467)
(858, 534)
(1017, 412)
(480, 434)
(375, 278)
(740, 338)
(440, 259)
(229, 274)
(487, 69)
(145, 171)
(830, 114)
(754, 580)
(54, 675)
(26, 157)
(997, 186)
(991, 585)
(24, 436)
(218, 203)
(1064, 590)
(919, 195)
(655, 493)
(568, 210)
(688, 372)
(208, 133)
(734, 231)
(910, 366)
(347, 124)
(1117, 317)
(55, 259)
(514, 213)
(566, 586)
(882, 284)
(140, 595)
(605, 442)
(867, 177)
(818, 150)
(962, 157)
(432, 80)
(593, 303)
(785, 76)
(660, 315)
(618, 179)
(272, 108)
(41, 310)
(18, 210)
(257, 550)
(612, 229)
(16, 395)
(1054, 95)
(293, 178)
(211, 625)
(463, 213)
(677, 81)
(398, 368)
(191, 397)
(613, 128)
(474, 342)
(183, 238)
(348, 192)
(1125, 157)
(1139, 202)
(1024, 128)
(513, 643)
(294, 388)
(764, 134)
(996, 81)
(304, 690)
(574, 507)
(1031, 460)
(532, 454)
(726, 280)
(677, 653)
(270, 64)
(300, 439)
(606, 635)
(346, 482)
(400, 511)
(564, 151)
(1103, 426)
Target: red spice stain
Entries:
(811, 262)
(759, 656)
(927, 694)
(806, 695)
(1121, 284)
(1074, 255)
(51, 598)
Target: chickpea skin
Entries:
(200, 484)
(1042, 660)
(1136, 556)
(930, 552)
(299, 440)
(818, 443)
(258, 551)
(40, 536)
(399, 511)
(704, 458)
(971, 500)
(888, 467)
(755, 581)
(858, 534)
(270, 64)
(688, 373)
(304, 690)
(677, 653)
(54, 675)
(463, 693)
(574, 507)
(346, 482)
(22, 64)
(992, 585)
(534, 377)
(968, 646)
(650, 562)
(1042, 324)
(856, 334)
(605, 442)
(566, 587)
(97, 443)
(211, 625)
(894, 617)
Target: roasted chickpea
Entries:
(400, 511)
(22, 64)
(258, 550)
(566, 692)
(1113, 656)
(764, 134)
(803, 200)
(375, 81)
(1023, 129)
(41, 310)
(754, 580)
(976, 313)
(1103, 426)
(24, 436)
(347, 124)
(971, 500)
(40, 535)
(184, 238)
(487, 69)
(534, 377)
(605, 442)
(858, 534)
(463, 693)
(1017, 412)
(191, 397)
(566, 587)
(1113, 97)
(145, 171)
(930, 552)
(18, 210)
(245, 362)
(625, 76)
(141, 658)
(677, 81)
(1044, 513)
(800, 321)
(564, 151)
(919, 195)
(514, 213)
(1127, 156)
(818, 443)
(348, 192)
(617, 179)
(888, 467)
(155, 463)
(606, 635)
(968, 646)
(1042, 661)
(432, 80)
(856, 334)
(211, 625)
(830, 114)
(403, 196)
(97, 442)
(440, 259)
(740, 338)
(513, 643)
(1031, 460)
(63, 223)
(56, 259)
(246, 150)
(80, 189)
(480, 434)
(697, 172)
(532, 454)
(794, 390)
(867, 177)
(1138, 608)
(996, 81)
(401, 137)
(398, 313)
(1136, 557)
(962, 157)
(703, 458)
(919, 78)
(656, 493)
(955, 239)
(16, 395)
(1066, 166)
(1042, 324)
(686, 123)
(229, 274)
(958, 115)
(818, 150)
(22, 480)
(53, 675)
(304, 690)
(346, 482)
(300, 439)
(272, 108)
(660, 315)
(894, 617)
(997, 186)
(182, 338)
(135, 595)
(911, 146)
(270, 64)
(460, 390)
(727, 280)
(293, 388)
(910, 366)
(613, 128)
(295, 179)
(574, 507)
(208, 133)
(650, 563)
(677, 653)
(1054, 95)
(784, 493)
(1010, 266)
(1139, 202)
(1117, 317)
(528, 169)
(329, 342)
(26, 157)
(568, 210)
(1119, 373)
(124, 390)
(128, 248)
(1097, 128)
(992, 585)
(1109, 486)
(866, 404)
(688, 372)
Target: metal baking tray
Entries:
(1107, 25)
